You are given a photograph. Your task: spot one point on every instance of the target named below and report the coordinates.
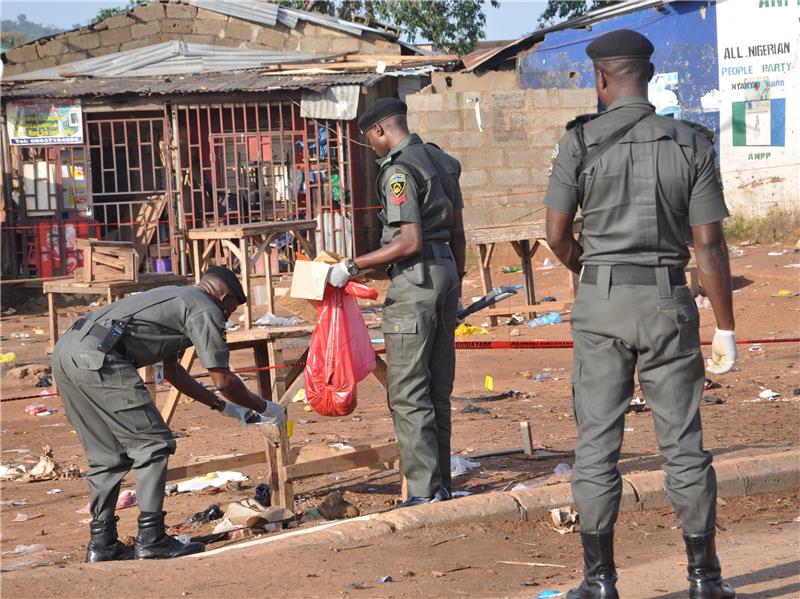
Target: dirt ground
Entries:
(742, 424)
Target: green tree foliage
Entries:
(106, 13)
(451, 25)
(557, 11)
(16, 32)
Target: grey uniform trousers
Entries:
(418, 326)
(615, 330)
(117, 424)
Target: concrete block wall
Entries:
(168, 20)
(505, 166)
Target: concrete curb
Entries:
(736, 477)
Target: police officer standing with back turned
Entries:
(423, 243)
(647, 187)
(118, 426)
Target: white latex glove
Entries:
(723, 352)
(274, 414)
(338, 275)
(233, 410)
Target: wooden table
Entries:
(111, 290)
(247, 243)
(525, 238)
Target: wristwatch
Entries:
(352, 267)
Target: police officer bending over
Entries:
(119, 427)
(423, 242)
(646, 186)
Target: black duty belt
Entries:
(632, 274)
(436, 250)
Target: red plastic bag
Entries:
(340, 354)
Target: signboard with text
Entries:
(44, 123)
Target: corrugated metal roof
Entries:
(338, 102)
(244, 81)
(486, 59)
(168, 58)
(269, 13)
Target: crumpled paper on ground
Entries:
(565, 519)
(248, 514)
(48, 469)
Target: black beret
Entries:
(379, 110)
(231, 281)
(620, 44)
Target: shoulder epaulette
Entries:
(701, 129)
(583, 119)
(430, 143)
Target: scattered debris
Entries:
(795, 265)
(736, 251)
(562, 469)
(548, 319)
(336, 507)
(45, 380)
(473, 409)
(249, 514)
(547, 298)
(125, 500)
(796, 392)
(262, 495)
(436, 543)
(22, 335)
(212, 512)
(21, 550)
(629, 429)
(565, 519)
(785, 293)
(14, 502)
(514, 333)
(711, 400)
(270, 320)
(709, 384)
(516, 319)
(48, 469)
(38, 331)
(467, 329)
(776, 253)
(510, 269)
(755, 347)
(769, 394)
(534, 564)
(702, 302)
(460, 466)
(11, 472)
(547, 264)
(54, 491)
(385, 579)
(637, 405)
(541, 377)
(215, 480)
(25, 517)
(300, 396)
(37, 409)
(550, 594)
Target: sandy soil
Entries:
(743, 424)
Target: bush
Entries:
(777, 226)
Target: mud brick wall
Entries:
(505, 166)
(164, 21)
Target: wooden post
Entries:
(52, 319)
(485, 251)
(262, 376)
(525, 252)
(197, 260)
(278, 373)
(527, 439)
(244, 249)
(270, 293)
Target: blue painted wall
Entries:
(685, 38)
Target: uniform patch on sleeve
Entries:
(397, 183)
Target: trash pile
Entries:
(47, 468)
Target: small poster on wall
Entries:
(44, 123)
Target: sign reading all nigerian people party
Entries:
(44, 122)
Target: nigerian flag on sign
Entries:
(759, 123)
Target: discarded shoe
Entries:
(153, 542)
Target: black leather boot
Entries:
(599, 573)
(103, 543)
(705, 575)
(153, 542)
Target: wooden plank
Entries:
(347, 461)
(262, 376)
(99, 243)
(168, 410)
(285, 485)
(227, 462)
(249, 229)
(485, 252)
(52, 319)
(146, 224)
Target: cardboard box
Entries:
(309, 278)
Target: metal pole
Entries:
(178, 196)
